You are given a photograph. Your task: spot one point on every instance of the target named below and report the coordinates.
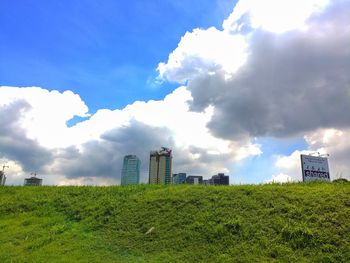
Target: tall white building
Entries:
(160, 166)
(131, 170)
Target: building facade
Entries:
(206, 182)
(160, 166)
(179, 178)
(131, 170)
(194, 179)
(220, 179)
(33, 181)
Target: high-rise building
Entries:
(219, 179)
(179, 178)
(131, 170)
(160, 166)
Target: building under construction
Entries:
(160, 166)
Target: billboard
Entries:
(314, 168)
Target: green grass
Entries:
(261, 223)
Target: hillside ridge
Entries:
(150, 223)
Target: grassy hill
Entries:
(262, 223)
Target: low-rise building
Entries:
(194, 179)
(220, 179)
(179, 178)
(206, 182)
(33, 181)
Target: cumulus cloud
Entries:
(204, 52)
(332, 142)
(45, 119)
(14, 144)
(290, 166)
(280, 178)
(272, 15)
(291, 83)
(336, 143)
(281, 71)
(91, 152)
(103, 158)
(285, 74)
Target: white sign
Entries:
(314, 168)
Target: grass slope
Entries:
(262, 223)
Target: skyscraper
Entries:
(160, 166)
(131, 170)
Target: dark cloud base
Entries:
(14, 143)
(292, 83)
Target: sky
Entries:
(241, 87)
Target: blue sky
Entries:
(231, 86)
(257, 168)
(106, 51)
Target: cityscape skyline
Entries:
(314, 166)
(234, 87)
(161, 172)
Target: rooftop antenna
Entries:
(33, 173)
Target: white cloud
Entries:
(277, 16)
(13, 169)
(269, 72)
(290, 165)
(206, 51)
(188, 128)
(202, 52)
(63, 181)
(45, 120)
(91, 152)
(288, 76)
(286, 80)
(280, 178)
(324, 141)
(336, 143)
